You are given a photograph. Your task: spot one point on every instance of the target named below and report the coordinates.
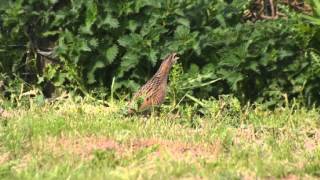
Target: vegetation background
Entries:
(84, 46)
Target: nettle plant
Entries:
(81, 45)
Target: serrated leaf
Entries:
(230, 60)
(184, 21)
(284, 53)
(91, 77)
(111, 53)
(111, 22)
(132, 25)
(196, 48)
(152, 56)
(129, 60)
(315, 57)
(125, 41)
(83, 45)
(181, 32)
(139, 4)
(221, 20)
(91, 15)
(179, 12)
(232, 77)
(130, 40)
(93, 42)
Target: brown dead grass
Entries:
(291, 177)
(4, 158)
(178, 150)
(245, 134)
(23, 163)
(84, 147)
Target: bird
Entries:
(154, 91)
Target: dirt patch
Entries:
(311, 144)
(179, 149)
(4, 158)
(23, 163)
(291, 177)
(84, 147)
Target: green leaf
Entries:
(4, 4)
(83, 45)
(93, 42)
(111, 53)
(130, 40)
(129, 60)
(282, 53)
(315, 58)
(184, 21)
(316, 6)
(50, 33)
(91, 16)
(229, 59)
(233, 78)
(132, 25)
(40, 100)
(152, 56)
(91, 77)
(313, 20)
(110, 22)
(181, 32)
(221, 20)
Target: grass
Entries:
(81, 140)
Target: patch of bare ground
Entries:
(248, 176)
(23, 163)
(84, 146)
(311, 144)
(178, 150)
(4, 158)
(291, 177)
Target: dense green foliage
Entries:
(96, 41)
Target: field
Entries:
(242, 101)
(83, 140)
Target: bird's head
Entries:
(173, 58)
(167, 63)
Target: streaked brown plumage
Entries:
(154, 91)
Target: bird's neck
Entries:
(164, 69)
